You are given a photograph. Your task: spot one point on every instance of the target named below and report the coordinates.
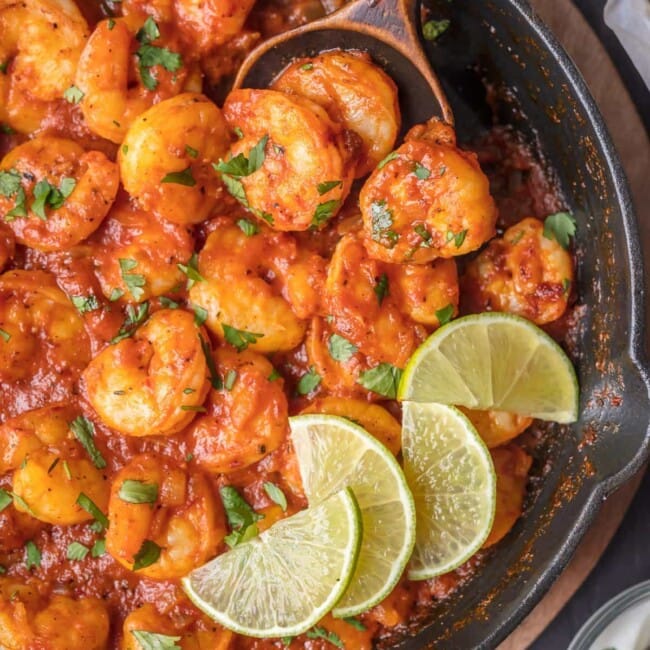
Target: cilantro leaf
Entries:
(321, 633)
(381, 218)
(432, 29)
(84, 431)
(381, 288)
(560, 226)
(99, 548)
(168, 303)
(458, 237)
(229, 381)
(73, 95)
(85, 502)
(155, 641)
(340, 348)
(248, 227)
(150, 55)
(240, 165)
(445, 314)
(9, 182)
(134, 281)
(85, 304)
(328, 186)
(4, 335)
(180, 178)
(32, 555)
(421, 230)
(191, 151)
(324, 212)
(276, 495)
(215, 379)
(355, 623)
(308, 382)
(241, 517)
(77, 551)
(42, 191)
(382, 379)
(134, 317)
(239, 339)
(421, 171)
(5, 499)
(200, 315)
(191, 270)
(391, 156)
(133, 491)
(148, 32)
(147, 555)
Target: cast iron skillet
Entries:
(544, 96)
(503, 44)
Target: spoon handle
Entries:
(394, 22)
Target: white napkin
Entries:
(630, 21)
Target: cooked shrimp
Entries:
(299, 166)
(60, 193)
(43, 343)
(7, 245)
(149, 248)
(116, 83)
(247, 418)
(522, 273)
(40, 45)
(165, 161)
(235, 291)
(32, 430)
(153, 500)
(49, 483)
(355, 93)
(372, 417)
(56, 622)
(425, 292)
(148, 619)
(511, 464)
(153, 382)
(429, 200)
(497, 427)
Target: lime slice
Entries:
(494, 361)
(334, 453)
(284, 581)
(450, 472)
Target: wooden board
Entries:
(631, 141)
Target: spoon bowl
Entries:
(388, 30)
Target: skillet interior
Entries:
(541, 94)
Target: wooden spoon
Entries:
(387, 29)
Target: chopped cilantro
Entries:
(421, 171)
(321, 633)
(445, 314)
(340, 348)
(134, 318)
(73, 95)
(151, 55)
(215, 379)
(168, 303)
(381, 288)
(391, 156)
(432, 29)
(239, 339)
(147, 555)
(5, 499)
(241, 517)
(85, 304)
(116, 294)
(133, 491)
(560, 226)
(421, 230)
(99, 548)
(154, 641)
(200, 315)
(191, 151)
(32, 555)
(308, 382)
(276, 495)
(458, 237)
(47, 195)
(229, 381)
(180, 178)
(382, 379)
(191, 270)
(324, 212)
(355, 623)
(248, 227)
(307, 66)
(274, 375)
(87, 504)
(328, 186)
(77, 551)
(84, 431)
(134, 282)
(4, 335)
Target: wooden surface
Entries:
(631, 141)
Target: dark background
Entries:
(627, 559)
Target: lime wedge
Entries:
(450, 472)
(494, 361)
(284, 581)
(334, 453)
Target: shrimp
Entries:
(372, 417)
(511, 464)
(355, 93)
(58, 193)
(157, 506)
(497, 427)
(363, 312)
(150, 248)
(300, 166)
(40, 46)
(153, 382)
(116, 84)
(32, 430)
(522, 273)
(56, 622)
(247, 418)
(165, 161)
(429, 199)
(148, 619)
(425, 292)
(43, 344)
(7, 245)
(235, 292)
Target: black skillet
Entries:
(501, 44)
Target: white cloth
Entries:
(630, 21)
